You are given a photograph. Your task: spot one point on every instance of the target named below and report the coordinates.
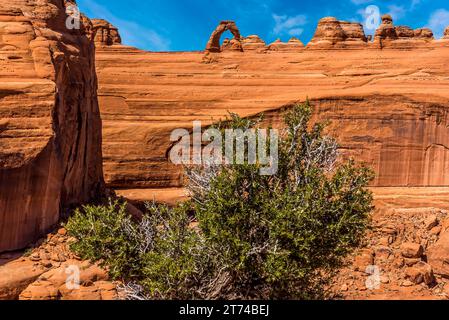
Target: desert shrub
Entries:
(279, 236)
(102, 233)
(156, 256)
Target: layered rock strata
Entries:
(50, 127)
(332, 33)
(387, 108)
(390, 36)
(293, 45)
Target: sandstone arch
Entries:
(214, 41)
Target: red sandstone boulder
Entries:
(438, 255)
(419, 273)
(16, 276)
(412, 250)
(50, 142)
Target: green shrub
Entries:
(102, 234)
(281, 236)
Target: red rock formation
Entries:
(214, 42)
(231, 45)
(446, 33)
(424, 33)
(332, 33)
(104, 33)
(293, 45)
(387, 35)
(402, 132)
(253, 42)
(386, 30)
(50, 127)
(41, 275)
(404, 32)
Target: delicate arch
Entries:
(214, 41)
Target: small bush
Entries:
(258, 237)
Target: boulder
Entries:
(438, 255)
(412, 250)
(419, 273)
(16, 276)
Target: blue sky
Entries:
(182, 25)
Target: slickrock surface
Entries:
(388, 107)
(50, 127)
(48, 272)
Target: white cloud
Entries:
(131, 33)
(296, 32)
(397, 12)
(438, 21)
(289, 25)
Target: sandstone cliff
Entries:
(50, 127)
(387, 108)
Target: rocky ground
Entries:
(404, 258)
(49, 272)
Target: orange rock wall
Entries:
(50, 127)
(388, 106)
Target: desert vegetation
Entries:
(241, 235)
